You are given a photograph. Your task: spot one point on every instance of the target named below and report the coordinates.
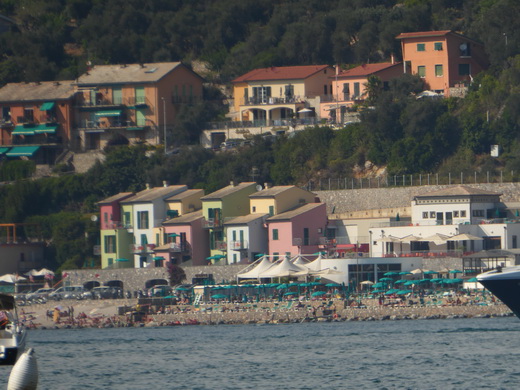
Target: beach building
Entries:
(135, 102)
(297, 231)
(182, 228)
(228, 202)
(452, 222)
(445, 60)
(37, 120)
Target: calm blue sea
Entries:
(420, 354)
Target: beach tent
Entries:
(262, 265)
(283, 269)
(315, 265)
(11, 278)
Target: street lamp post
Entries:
(164, 122)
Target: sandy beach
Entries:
(118, 312)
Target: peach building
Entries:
(349, 87)
(444, 59)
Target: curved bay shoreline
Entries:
(121, 313)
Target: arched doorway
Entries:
(91, 284)
(155, 282)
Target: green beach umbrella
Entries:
(378, 285)
(291, 293)
(455, 271)
(318, 293)
(219, 296)
(333, 285)
(391, 273)
(405, 273)
(473, 280)
(386, 280)
(409, 283)
(400, 281)
(430, 272)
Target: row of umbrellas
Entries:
(436, 238)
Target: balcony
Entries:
(238, 245)
(100, 126)
(142, 249)
(271, 100)
(213, 223)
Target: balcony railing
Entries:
(212, 223)
(254, 101)
(137, 249)
(238, 245)
(110, 124)
(261, 123)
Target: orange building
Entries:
(36, 119)
(444, 59)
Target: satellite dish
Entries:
(93, 218)
(463, 46)
(259, 187)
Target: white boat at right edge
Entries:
(504, 283)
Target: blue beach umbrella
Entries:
(400, 281)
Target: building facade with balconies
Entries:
(138, 102)
(297, 231)
(278, 199)
(230, 201)
(246, 238)
(36, 120)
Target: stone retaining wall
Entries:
(344, 201)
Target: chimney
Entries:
(337, 69)
(232, 183)
(392, 58)
(148, 186)
(266, 185)
(165, 183)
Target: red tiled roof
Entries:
(366, 69)
(420, 34)
(281, 73)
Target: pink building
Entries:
(349, 87)
(297, 231)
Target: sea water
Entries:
(474, 353)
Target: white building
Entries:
(450, 222)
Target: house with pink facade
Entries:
(349, 87)
(297, 231)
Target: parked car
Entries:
(67, 292)
(161, 290)
(41, 293)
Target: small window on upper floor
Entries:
(421, 71)
(465, 49)
(421, 47)
(437, 46)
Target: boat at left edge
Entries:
(504, 283)
(12, 332)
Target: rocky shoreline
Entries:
(122, 313)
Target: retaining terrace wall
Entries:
(344, 201)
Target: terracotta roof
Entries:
(294, 212)
(151, 194)
(245, 219)
(427, 34)
(37, 92)
(457, 191)
(219, 194)
(115, 198)
(281, 73)
(185, 194)
(184, 219)
(367, 69)
(133, 73)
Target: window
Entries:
(463, 213)
(356, 90)
(325, 89)
(261, 94)
(305, 236)
(514, 243)
(275, 234)
(105, 217)
(253, 209)
(421, 71)
(139, 95)
(28, 115)
(478, 213)
(6, 114)
(275, 256)
(144, 239)
(421, 47)
(140, 117)
(437, 46)
(142, 219)
(425, 214)
(289, 91)
(271, 210)
(465, 49)
(456, 214)
(110, 244)
(346, 91)
(126, 219)
(439, 72)
(464, 70)
(432, 214)
(117, 95)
